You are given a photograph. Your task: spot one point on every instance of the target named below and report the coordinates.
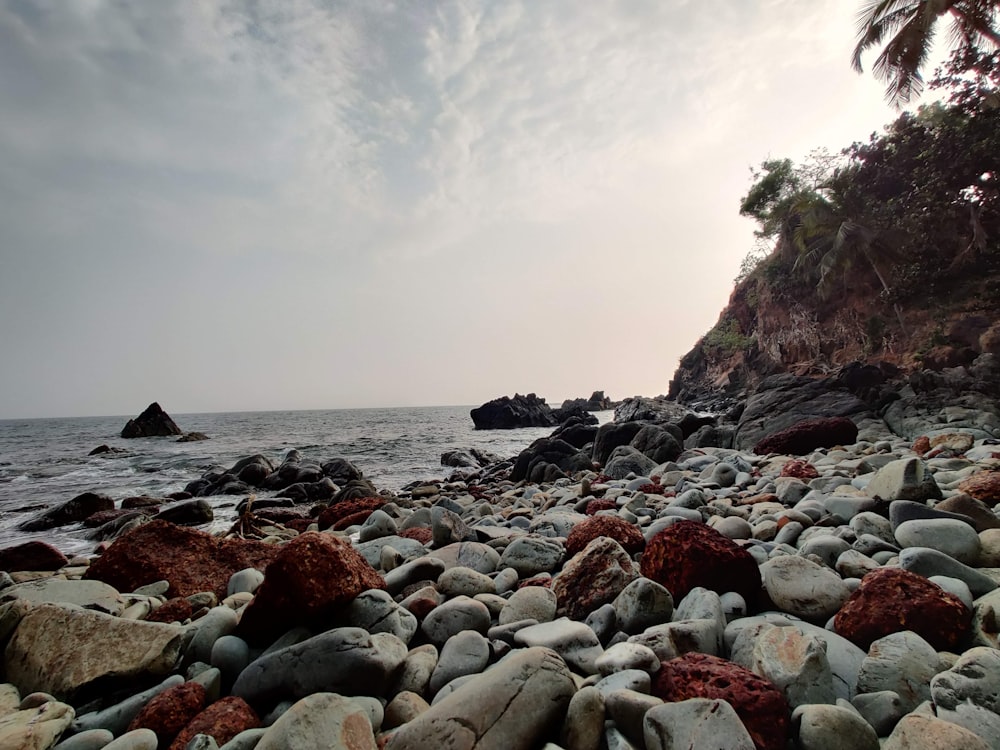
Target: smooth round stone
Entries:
(465, 653)
(230, 654)
(530, 603)
(902, 511)
(137, 739)
(989, 548)
(494, 603)
(955, 586)
(627, 708)
(904, 479)
(700, 604)
(872, 524)
(376, 526)
(954, 538)
(530, 556)
(321, 720)
(882, 710)
(377, 612)
(217, 622)
(871, 545)
(642, 603)
(404, 707)
(825, 727)
(246, 740)
(930, 562)
(576, 643)
(584, 722)
(826, 548)
(92, 739)
(628, 679)
(247, 580)
(852, 564)
(733, 527)
(975, 677)
(505, 580)
(804, 588)
(454, 616)
(903, 663)
(461, 581)
(734, 606)
(695, 723)
(789, 533)
(415, 674)
(604, 622)
(983, 722)
(626, 655)
(419, 569)
(846, 506)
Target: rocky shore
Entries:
(817, 579)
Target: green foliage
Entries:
(726, 338)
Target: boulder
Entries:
(170, 711)
(642, 409)
(321, 720)
(33, 555)
(506, 413)
(658, 443)
(72, 511)
(153, 422)
(533, 462)
(808, 435)
(611, 435)
(92, 595)
(625, 533)
(594, 576)
(192, 561)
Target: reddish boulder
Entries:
(921, 445)
(177, 609)
(593, 577)
(348, 512)
(799, 470)
(597, 505)
(313, 577)
(689, 554)
(33, 555)
(759, 704)
(191, 560)
(808, 435)
(623, 532)
(983, 485)
(170, 711)
(890, 600)
(223, 720)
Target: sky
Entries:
(307, 204)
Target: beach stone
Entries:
(956, 587)
(414, 675)
(59, 650)
(92, 595)
(792, 661)
(807, 435)
(583, 726)
(882, 710)
(982, 722)
(92, 739)
(576, 643)
(191, 560)
(624, 656)
(409, 573)
(137, 739)
(891, 600)
(464, 653)
(404, 707)
(759, 704)
(689, 554)
(377, 612)
(733, 527)
(984, 486)
(339, 515)
(247, 580)
(378, 524)
(35, 728)
(33, 555)
(312, 580)
(903, 663)
(642, 603)
(627, 708)
(627, 679)
(826, 547)
(975, 677)
(929, 562)
(222, 720)
(509, 707)
(981, 515)
(922, 732)
(170, 711)
(820, 727)
(623, 532)
(904, 479)
(475, 555)
(625, 460)
(230, 655)
(530, 603)
(116, 718)
(454, 616)
(341, 660)
(695, 723)
(701, 604)
(464, 582)
(902, 511)
(956, 539)
(447, 527)
(530, 556)
(217, 622)
(593, 577)
(803, 588)
(72, 511)
(321, 720)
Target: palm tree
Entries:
(909, 26)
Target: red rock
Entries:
(313, 577)
(596, 505)
(421, 534)
(799, 469)
(170, 711)
(593, 577)
(983, 485)
(808, 435)
(337, 512)
(177, 609)
(766, 497)
(623, 532)
(33, 555)
(544, 582)
(921, 445)
(759, 704)
(890, 600)
(191, 560)
(689, 554)
(223, 720)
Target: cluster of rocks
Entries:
(506, 413)
(839, 590)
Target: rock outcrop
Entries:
(153, 422)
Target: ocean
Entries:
(44, 462)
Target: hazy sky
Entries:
(286, 204)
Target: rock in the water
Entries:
(506, 413)
(592, 577)
(33, 555)
(804, 588)
(313, 578)
(759, 704)
(321, 720)
(60, 650)
(808, 435)
(153, 422)
(688, 554)
(512, 706)
(189, 513)
(76, 510)
(890, 600)
(192, 561)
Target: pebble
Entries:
(642, 603)
(464, 653)
(820, 727)
(454, 616)
(583, 726)
(956, 539)
(803, 588)
(573, 641)
(695, 723)
(530, 603)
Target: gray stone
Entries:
(882, 710)
(873, 524)
(116, 718)
(372, 550)
(627, 655)
(902, 511)
(902, 662)
(615, 740)
(245, 740)
(377, 612)
(509, 707)
(530, 603)
(904, 479)
(803, 588)
(853, 564)
(415, 674)
(480, 557)
(247, 580)
(448, 527)
(530, 556)
(454, 616)
(628, 679)
(419, 569)
(827, 548)
(974, 677)
(956, 539)
(819, 727)
(929, 562)
(230, 655)
(794, 662)
(921, 732)
(573, 641)
(464, 653)
(137, 739)
(321, 720)
(981, 721)
(202, 742)
(92, 595)
(625, 460)
(378, 524)
(695, 723)
(460, 581)
(342, 660)
(627, 708)
(92, 739)
(209, 678)
(642, 603)
(217, 622)
(583, 726)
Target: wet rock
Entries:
(188, 513)
(153, 422)
(76, 510)
(593, 577)
(506, 413)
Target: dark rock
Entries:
(890, 600)
(611, 435)
(575, 412)
(690, 423)
(760, 705)
(808, 435)
(34, 555)
(341, 471)
(658, 410)
(153, 422)
(597, 402)
(118, 522)
(107, 516)
(310, 581)
(192, 561)
(105, 450)
(576, 432)
(661, 443)
(72, 511)
(711, 436)
(170, 711)
(626, 460)
(252, 470)
(689, 554)
(623, 532)
(459, 459)
(356, 489)
(193, 437)
(140, 502)
(533, 460)
(223, 720)
(965, 505)
(507, 413)
(189, 513)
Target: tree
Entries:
(910, 27)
